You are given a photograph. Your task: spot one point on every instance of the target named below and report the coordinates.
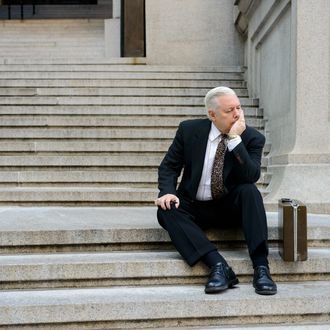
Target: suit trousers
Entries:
(241, 207)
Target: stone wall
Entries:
(288, 59)
(269, 60)
(190, 32)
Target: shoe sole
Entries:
(266, 293)
(216, 289)
(222, 288)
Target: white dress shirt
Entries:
(204, 188)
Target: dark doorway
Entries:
(133, 28)
(45, 9)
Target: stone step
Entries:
(19, 39)
(88, 47)
(267, 147)
(58, 41)
(78, 146)
(65, 229)
(82, 61)
(265, 178)
(130, 178)
(34, 35)
(96, 110)
(119, 74)
(156, 83)
(159, 306)
(113, 100)
(83, 195)
(75, 196)
(105, 65)
(129, 175)
(110, 91)
(107, 121)
(34, 38)
(91, 50)
(92, 160)
(87, 133)
(273, 326)
(33, 31)
(41, 25)
(145, 133)
(27, 271)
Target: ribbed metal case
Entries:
(292, 227)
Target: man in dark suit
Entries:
(220, 157)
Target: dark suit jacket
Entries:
(187, 151)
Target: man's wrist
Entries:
(232, 136)
(232, 143)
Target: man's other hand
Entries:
(165, 201)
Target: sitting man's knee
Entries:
(164, 215)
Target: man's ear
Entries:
(211, 114)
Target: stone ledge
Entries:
(84, 110)
(258, 327)
(99, 122)
(143, 268)
(161, 302)
(97, 65)
(109, 91)
(69, 61)
(113, 100)
(180, 83)
(22, 226)
(120, 75)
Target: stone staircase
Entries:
(47, 39)
(93, 132)
(114, 268)
(87, 133)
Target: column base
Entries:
(302, 177)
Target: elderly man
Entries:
(220, 157)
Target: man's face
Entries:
(226, 113)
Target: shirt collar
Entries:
(214, 133)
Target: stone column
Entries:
(302, 169)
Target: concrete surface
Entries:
(24, 307)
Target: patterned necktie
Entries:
(217, 186)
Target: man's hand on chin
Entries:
(165, 201)
(239, 126)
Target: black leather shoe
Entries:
(221, 278)
(263, 282)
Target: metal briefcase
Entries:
(292, 226)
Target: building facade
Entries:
(282, 45)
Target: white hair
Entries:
(209, 99)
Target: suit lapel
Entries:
(200, 144)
